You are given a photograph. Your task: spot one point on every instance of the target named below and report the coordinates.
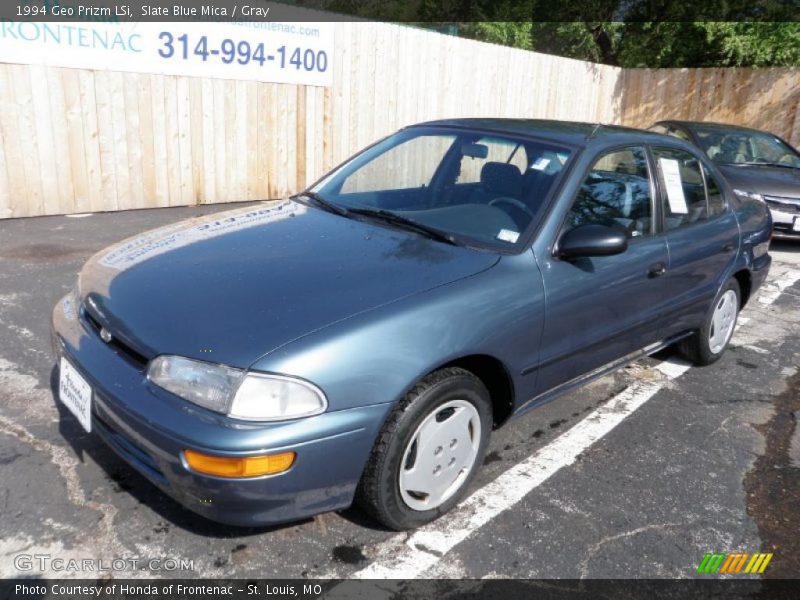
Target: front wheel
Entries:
(428, 451)
(708, 343)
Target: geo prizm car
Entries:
(361, 340)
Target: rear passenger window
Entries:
(683, 193)
(616, 193)
(716, 201)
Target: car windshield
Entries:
(746, 147)
(475, 188)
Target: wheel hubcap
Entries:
(722, 322)
(440, 455)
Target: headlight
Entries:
(236, 393)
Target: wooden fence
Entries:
(761, 98)
(74, 141)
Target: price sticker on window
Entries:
(671, 172)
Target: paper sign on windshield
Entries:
(671, 171)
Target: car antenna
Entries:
(597, 126)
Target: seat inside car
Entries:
(498, 180)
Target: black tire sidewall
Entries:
(456, 387)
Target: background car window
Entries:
(716, 201)
(742, 147)
(683, 194)
(498, 151)
(769, 149)
(679, 133)
(673, 131)
(617, 193)
(408, 165)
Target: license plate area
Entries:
(75, 393)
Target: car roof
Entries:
(572, 133)
(711, 125)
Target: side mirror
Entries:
(592, 240)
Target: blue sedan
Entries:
(361, 340)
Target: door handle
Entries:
(657, 269)
(728, 247)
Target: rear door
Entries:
(601, 309)
(701, 231)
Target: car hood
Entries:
(232, 286)
(773, 181)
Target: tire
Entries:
(702, 348)
(447, 403)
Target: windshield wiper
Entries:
(392, 218)
(324, 204)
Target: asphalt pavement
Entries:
(638, 474)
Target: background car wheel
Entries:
(707, 344)
(428, 450)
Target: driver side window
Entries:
(617, 193)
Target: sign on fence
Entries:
(299, 53)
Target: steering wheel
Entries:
(515, 203)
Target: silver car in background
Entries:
(756, 163)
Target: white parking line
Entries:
(407, 556)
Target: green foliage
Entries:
(616, 32)
(657, 44)
(517, 35)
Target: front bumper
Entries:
(150, 428)
(783, 222)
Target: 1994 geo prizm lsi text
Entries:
(359, 341)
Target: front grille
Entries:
(124, 350)
(784, 204)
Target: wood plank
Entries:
(130, 92)
(183, 105)
(105, 139)
(239, 150)
(12, 147)
(48, 119)
(172, 136)
(208, 143)
(30, 162)
(253, 171)
(161, 165)
(91, 141)
(228, 193)
(300, 132)
(197, 137)
(144, 99)
(262, 144)
(120, 141)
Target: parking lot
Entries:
(638, 474)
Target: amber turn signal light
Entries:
(239, 466)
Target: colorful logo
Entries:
(734, 562)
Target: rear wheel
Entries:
(707, 344)
(428, 450)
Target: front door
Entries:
(600, 309)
